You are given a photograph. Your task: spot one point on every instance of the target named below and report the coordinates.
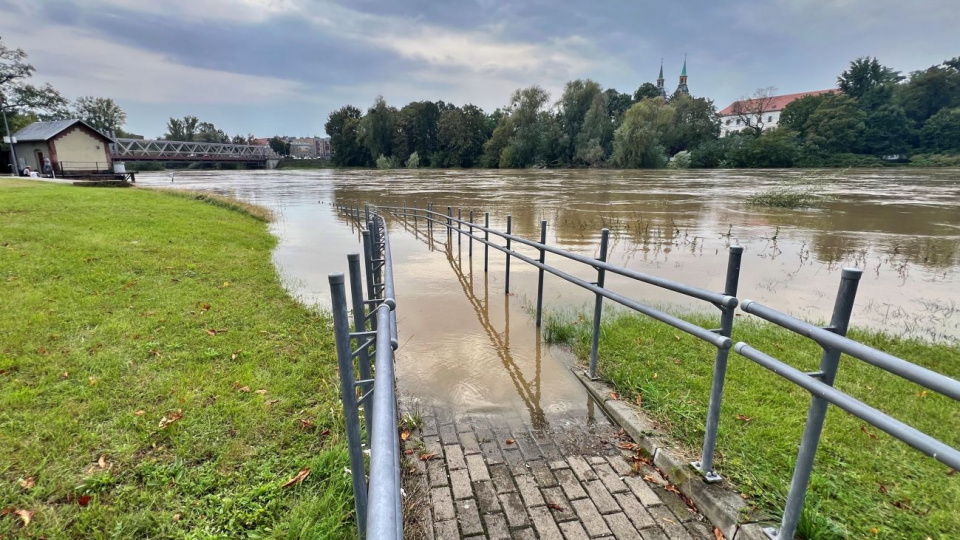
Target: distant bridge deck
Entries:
(158, 150)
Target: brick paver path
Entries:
(490, 477)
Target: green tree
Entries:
(102, 113)
(184, 129)
(887, 131)
(208, 133)
(526, 135)
(343, 128)
(836, 126)
(694, 122)
(21, 99)
(377, 129)
(646, 91)
(638, 142)
(578, 98)
(774, 148)
(929, 91)
(462, 134)
(416, 131)
(796, 114)
(865, 74)
(941, 133)
(280, 146)
(617, 104)
(595, 140)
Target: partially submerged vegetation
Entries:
(156, 380)
(803, 192)
(866, 484)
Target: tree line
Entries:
(876, 112)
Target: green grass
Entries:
(866, 484)
(108, 299)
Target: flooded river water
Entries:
(467, 346)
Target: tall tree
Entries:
(102, 113)
(462, 133)
(377, 129)
(527, 135)
(941, 133)
(646, 91)
(595, 140)
(836, 126)
(617, 104)
(279, 146)
(752, 110)
(887, 131)
(416, 131)
(864, 75)
(21, 99)
(578, 96)
(795, 115)
(929, 91)
(694, 122)
(343, 126)
(638, 142)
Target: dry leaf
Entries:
(211, 331)
(173, 417)
(639, 400)
(244, 389)
(510, 441)
(673, 488)
(883, 488)
(102, 462)
(555, 506)
(717, 534)
(27, 483)
(84, 500)
(408, 452)
(304, 472)
(614, 395)
(176, 517)
(427, 457)
(654, 375)
(744, 417)
(628, 446)
(226, 283)
(205, 307)
(405, 434)
(305, 423)
(141, 412)
(676, 361)
(235, 355)
(272, 402)
(93, 381)
(875, 530)
(868, 433)
(65, 374)
(951, 472)
(25, 516)
(261, 391)
(922, 394)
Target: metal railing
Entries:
(159, 150)
(832, 340)
(378, 502)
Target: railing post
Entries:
(839, 322)
(459, 219)
(506, 288)
(341, 328)
(598, 304)
(470, 248)
(705, 465)
(368, 264)
(366, 213)
(486, 237)
(416, 207)
(449, 222)
(360, 325)
(543, 255)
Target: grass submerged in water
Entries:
(127, 310)
(865, 484)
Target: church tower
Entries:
(660, 82)
(682, 87)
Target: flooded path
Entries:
(467, 346)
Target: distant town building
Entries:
(262, 141)
(304, 148)
(682, 87)
(763, 112)
(323, 147)
(69, 145)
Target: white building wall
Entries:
(732, 123)
(77, 149)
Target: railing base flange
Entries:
(772, 533)
(710, 477)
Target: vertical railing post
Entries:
(506, 286)
(839, 322)
(341, 329)
(731, 285)
(416, 208)
(486, 238)
(360, 325)
(470, 248)
(543, 255)
(368, 264)
(449, 223)
(366, 213)
(598, 303)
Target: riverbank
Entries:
(865, 483)
(156, 380)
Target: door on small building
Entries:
(39, 155)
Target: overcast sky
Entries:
(280, 66)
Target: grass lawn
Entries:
(156, 380)
(866, 484)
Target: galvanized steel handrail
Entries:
(378, 502)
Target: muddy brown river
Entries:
(467, 346)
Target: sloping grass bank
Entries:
(866, 484)
(156, 380)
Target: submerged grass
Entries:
(865, 483)
(156, 380)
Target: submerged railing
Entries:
(819, 383)
(378, 503)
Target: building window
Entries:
(728, 121)
(738, 121)
(770, 118)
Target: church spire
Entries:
(682, 87)
(660, 81)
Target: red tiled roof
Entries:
(777, 103)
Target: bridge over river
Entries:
(160, 150)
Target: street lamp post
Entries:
(14, 168)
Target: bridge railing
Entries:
(133, 149)
(378, 503)
(832, 340)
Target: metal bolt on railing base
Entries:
(772, 533)
(710, 477)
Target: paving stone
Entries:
(497, 528)
(592, 520)
(433, 446)
(543, 522)
(528, 447)
(454, 456)
(478, 469)
(568, 481)
(653, 533)
(635, 511)
(596, 460)
(620, 465)
(515, 461)
(486, 497)
(460, 482)
(609, 478)
(442, 504)
(675, 504)
(469, 517)
(524, 534)
(448, 434)
(573, 530)
(428, 426)
(669, 523)
(542, 473)
(700, 530)
(491, 452)
(559, 464)
(581, 468)
(464, 426)
(551, 452)
(528, 490)
(558, 504)
(502, 479)
(469, 442)
(601, 497)
(642, 490)
(447, 530)
(621, 527)
(514, 509)
(437, 472)
(479, 537)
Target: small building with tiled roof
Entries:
(764, 112)
(70, 145)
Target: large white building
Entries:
(761, 112)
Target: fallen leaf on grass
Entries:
(883, 488)
(235, 355)
(875, 530)
(867, 432)
(27, 483)
(261, 391)
(922, 394)
(84, 500)
(92, 380)
(408, 452)
(555, 506)
(717, 534)
(951, 472)
(102, 462)
(427, 457)
(628, 446)
(405, 434)
(304, 472)
(176, 517)
(305, 424)
(211, 331)
(205, 307)
(25, 516)
(141, 412)
(272, 402)
(244, 389)
(509, 441)
(744, 417)
(173, 417)
(65, 374)
(614, 395)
